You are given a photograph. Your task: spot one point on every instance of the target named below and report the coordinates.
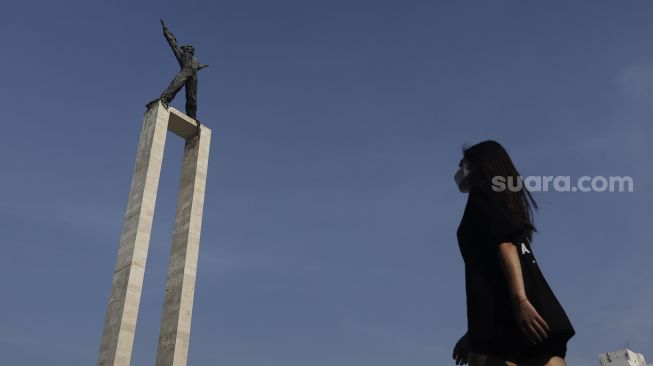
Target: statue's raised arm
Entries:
(172, 41)
(186, 77)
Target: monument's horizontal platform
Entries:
(182, 125)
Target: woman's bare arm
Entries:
(512, 269)
(530, 322)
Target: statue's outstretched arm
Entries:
(172, 41)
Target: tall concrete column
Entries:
(182, 268)
(122, 311)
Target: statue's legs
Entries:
(175, 85)
(189, 80)
(191, 96)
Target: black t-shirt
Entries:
(484, 225)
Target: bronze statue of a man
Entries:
(186, 77)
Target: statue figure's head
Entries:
(188, 49)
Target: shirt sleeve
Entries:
(495, 224)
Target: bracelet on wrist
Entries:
(518, 301)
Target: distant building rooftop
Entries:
(622, 357)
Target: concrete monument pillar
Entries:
(122, 311)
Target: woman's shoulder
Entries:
(491, 217)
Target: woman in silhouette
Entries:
(513, 317)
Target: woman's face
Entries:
(461, 176)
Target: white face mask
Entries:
(461, 178)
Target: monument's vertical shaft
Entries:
(180, 288)
(122, 311)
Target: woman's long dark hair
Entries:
(488, 159)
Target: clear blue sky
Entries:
(331, 211)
